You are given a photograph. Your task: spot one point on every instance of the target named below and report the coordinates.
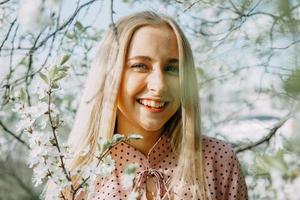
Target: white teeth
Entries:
(151, 103)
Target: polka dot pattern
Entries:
(222, 171)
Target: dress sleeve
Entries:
(236, 186)
(223, 171)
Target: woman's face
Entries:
(149, 92)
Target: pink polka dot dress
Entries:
(222, 171)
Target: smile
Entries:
(152, 105)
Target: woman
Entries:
(143, 81)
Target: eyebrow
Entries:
(170, 60)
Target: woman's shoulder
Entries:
(211, 144)
(223, 170)
(218, 151)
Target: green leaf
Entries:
(23, 95)
(57, 119)
(53, 72)
(106, 145)
(291, 84)
(64, 68)
(70, 35)
(60, 76)
(117, 137)
(79, 26)
(131, 168)
(284, 7)
(278, 162)
(65, 59)
(261, 167)
(23, 62)
(44, 77)
(267, 162)
(201, 72)
(54, 85)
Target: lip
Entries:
(153, 110)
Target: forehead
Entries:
(153, 40)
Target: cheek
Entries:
(133, 85)
(174, 87)
(177, 92)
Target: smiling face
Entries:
(149, 91)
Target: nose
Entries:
(156, 82)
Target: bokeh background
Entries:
(247, 59)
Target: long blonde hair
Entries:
(96, 116)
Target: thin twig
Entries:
(70, 20)
(54, 127)
(37, 46)
(3, 2)
(13, 134)
(30, 63)
(287, 46)
(191, 5)
(267, 138)
(113, 25)
(7, 34)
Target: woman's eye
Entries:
(172, 69)
(139, 67)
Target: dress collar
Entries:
(160, 150)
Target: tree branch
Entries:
(267, 138)
(70, 20)
(113, 25)
(3, 2)
(191, 5)
(7, 34)
(13, 135)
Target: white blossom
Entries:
(3, 146)
(24, 124)
(292, 188)
(44, 156)
(30, 14)
(40, 91)
(101, 143)
(52, 3)
(94, 170)
(33, 15)
(105, 167)
(29, 114)
(42, 123)
(18, 107)
(36, 156)
(39, 173)
(133, 196)
(127, 180)
(276, 179)
(92, 195)
(128, 176)
(38, 110)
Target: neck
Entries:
(149, 137)
(144, 145)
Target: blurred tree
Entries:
(246, 53)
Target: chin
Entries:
(151, 128)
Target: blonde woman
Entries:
(144, 81)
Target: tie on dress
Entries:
(160, 184)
